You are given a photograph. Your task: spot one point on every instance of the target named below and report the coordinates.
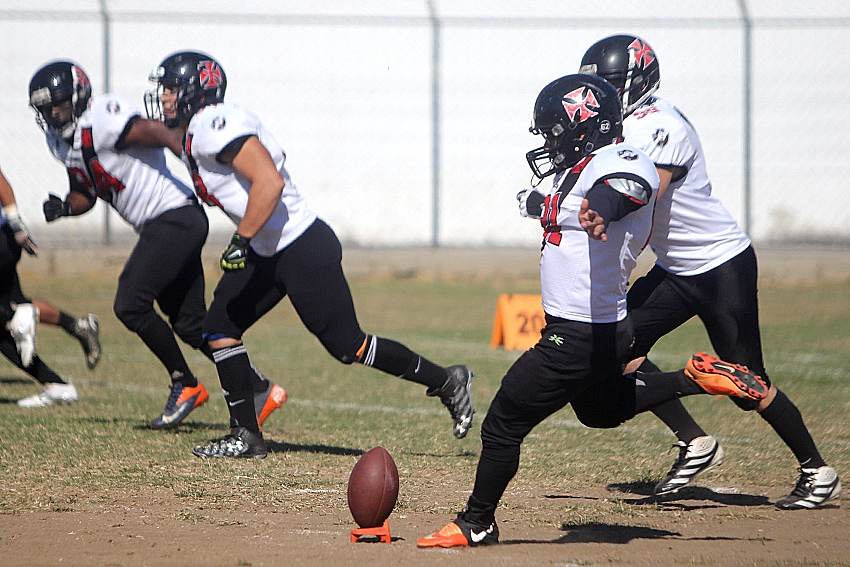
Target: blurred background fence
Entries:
(406, 121)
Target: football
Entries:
(373, 488)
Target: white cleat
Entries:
(52, 395)
(22, 326)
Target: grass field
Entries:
(100, 450)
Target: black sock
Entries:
(396, 359)
(234, 372)
(68, 323)
(653, 389)
(491, 480)
(788, 423)
(159, 338)
(673, 413)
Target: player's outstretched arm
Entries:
(151, 134)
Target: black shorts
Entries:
(577, 363)
(309, 271)
(10, 284)
(725, 299)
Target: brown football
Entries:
(373, 488)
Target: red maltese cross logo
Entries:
(210, 74)
(643, 54)
(578, 102)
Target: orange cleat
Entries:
(181, 401)
(266, 402)
(724, 378)
(460, 533)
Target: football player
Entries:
(706, 267)
(279, 248)
(105, 145)
(19, 314)
(596, 219)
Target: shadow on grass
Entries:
(597, 532)
(16, 380)
(275, 447)
(687, 493)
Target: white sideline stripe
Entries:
(342, 406)
(350, 406)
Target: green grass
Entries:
(89, 453)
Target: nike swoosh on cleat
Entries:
(478, 537)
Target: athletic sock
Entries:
(788, 423)
(655, 388)
(234, 372)
(159, 338)
(68, 323)
(396, 359)
(673, 412)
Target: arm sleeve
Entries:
(615, 197)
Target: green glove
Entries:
(235, 256)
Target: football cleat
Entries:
(460, 533)
(456, 395)
(696, 457)
(239, 443)
(181, 401)
(87, 331)
(724, 378)
(266, 402)
(22, 326)
(814, 487)
(53, 394)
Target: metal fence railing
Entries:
(406, 122)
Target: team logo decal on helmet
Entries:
(577, 102)
(642, 53)
(210, 74)
(627, 155)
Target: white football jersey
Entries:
(136, 181)
(693, 232)
(582, 279)
(210, 131)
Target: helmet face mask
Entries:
(59, 93)
(627, 62)
(185, 82)
(576, 115)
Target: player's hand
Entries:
(54, 207)
(22, 236)
(235, 256)
(530, 203)
(591, 222)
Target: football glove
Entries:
(54, 207)
(22, 235)
(530, 203)
(235, 256)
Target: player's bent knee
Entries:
(746, 405)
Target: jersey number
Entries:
(104, 183)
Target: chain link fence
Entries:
(406, 121)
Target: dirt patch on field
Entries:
(702, 526)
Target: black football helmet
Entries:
(628, 63)
(576, 115)
(54, 84)
(198, 79)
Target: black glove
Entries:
(54, 207)
(530, 203)
(235, 256)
